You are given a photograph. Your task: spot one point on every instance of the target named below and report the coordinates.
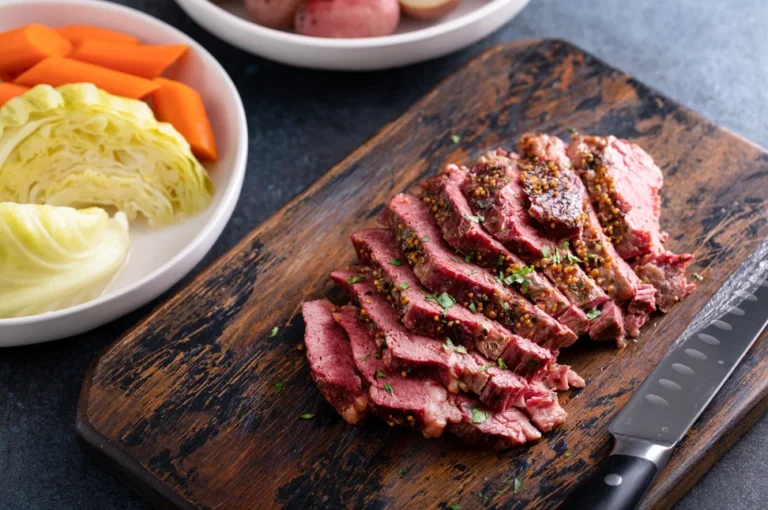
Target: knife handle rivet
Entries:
(613, 480)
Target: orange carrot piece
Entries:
(56, 71)
(140, 60)
(9, 91)
(24, 47)
(182, 107)
(79, 33)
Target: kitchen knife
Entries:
(678, 390)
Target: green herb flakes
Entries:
(698, 276)
(518, 484)
(476, 219)
(364, 357)
(572, 130)
(472, 308)
(278, 388)
(501, 260)
(479, 416)
(468, 258)
(446, 301)
(425, 239)
(455, 139)
(395, 262)
(450, 346)
(403, 285)
(388, 388)
(380, 374)
(501, 364)
(400, 472)
(486, 367)
(356, 279)
(307, 416)
(592, 256)
(567, 455)
(593, 314)
(454, 506)
(274, 332)
(573, 259)
(545, 252)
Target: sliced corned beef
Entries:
(494, 191)
(549, 185)
(666, 272)
(418, 403)
(331, 363)
(500, 430)
(437, 267)
(421, 313)
(560, 377)
(545, 411)
(609, 325)
(623, 183)
(634, 321)
(463, 231)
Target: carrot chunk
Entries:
(140, 60)
(56, 71)
(24, 47)
(79, 33)
(9, 91)
(182, 107)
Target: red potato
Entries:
(428, 9)
(273, 13)
(347, 18)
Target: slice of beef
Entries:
(609, 325)
(497, 430)
(634, 321)
(437, 267)
(560, 377)
(555, 202)
(463, 231)
(623, 183)
(456, 368)
(331, 363)
(666, 272)
(494, 191)
(394, 278)
(418, 403)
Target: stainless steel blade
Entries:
(704, 356)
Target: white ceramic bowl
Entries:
(159, 258)
(413, 42)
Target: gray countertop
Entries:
(711, 56)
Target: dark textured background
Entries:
(710, 56)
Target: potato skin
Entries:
(416, 9)
(273, 13)
(347, 18)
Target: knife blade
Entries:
(670, 400)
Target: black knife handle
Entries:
(618, 484)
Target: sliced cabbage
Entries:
(56, 257)
(79, 146)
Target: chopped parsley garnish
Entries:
(472, 308)
(565, 244)
(698, 276)
(278, 388)
(356, 279)
(364, 357)
(468, 257)
(388, 388)
(572, 130)
(592, 256)
(573, 259)
(450, 346)
(403, 285)
(500, 262)
(380, 374)
(307, 416)
(425, 239)
(567, 454)
(518, 484)
(446, 301)
(486, 367)
(593, 314)
(545, 252)
(455, 139)
(516, 276)
(454, 506)
(501, 364)
(395, 262)
(479, 416)
(400, 472)
(476, 219)
(377, 355)
(557, 258)
(274, 332)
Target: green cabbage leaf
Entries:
(79, 146)
(56, 257)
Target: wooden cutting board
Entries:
(184, 410)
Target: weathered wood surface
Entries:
(183, 407)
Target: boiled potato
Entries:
(428, 9)
(273, 13)
(347, 18)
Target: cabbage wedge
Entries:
(79, 146)
(56, 257)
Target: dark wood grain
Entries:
(183, 407)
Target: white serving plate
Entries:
(159, 258)
(414, 41)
